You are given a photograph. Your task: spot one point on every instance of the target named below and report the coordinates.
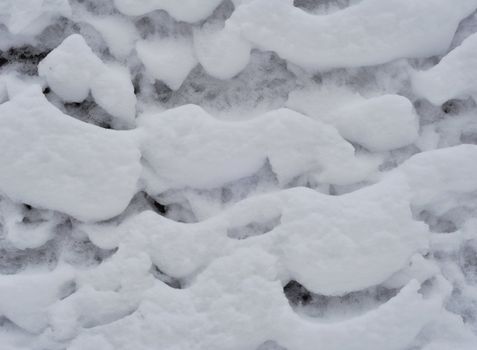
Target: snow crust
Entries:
(243, 174)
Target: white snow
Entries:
(222, 52)
(72, 70)
(186, 146)
(454, 77)
(312, 243)
(380, 123)
(112, 89)
(25, 235)
(369, 33)
(169, 60)
(30, 17)
(25, 297)
(184, 10)
(307, 180)
(59, 163)
(201, 312)
(119, 33)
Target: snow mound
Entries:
(184, 10)
(311, 242)
(72, 70)
(369, 33)
(379, 124)
(119, 33)
(202, 312)
(453, 77)
(169, 60)
(188, 147)
(59, 163)
(30, 17)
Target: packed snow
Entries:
(238, 175)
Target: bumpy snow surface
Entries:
(238, 175)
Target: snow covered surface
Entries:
(238, 175)
(53, 161)
(454, 76)
(169, 60)
(72, 71)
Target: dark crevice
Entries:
(437, 224)
(324, 306)
(170, 281)
(90, 112)
(25, 57)
(67, 289)
(155, 205)
(270, 345)
(253, 229)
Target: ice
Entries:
(453, 77)
(72, 70)
(169, 60)
(185, 10)
(218, 152)
(86, 171)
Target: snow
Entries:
(370, 33)
(242, 174)
(453, 77)
(365, 251)
(72, 70)
(30, 310)
(379, 124)
(30, 17)
(112, 89)
(86, 171)
(218, 152)
(185, 10)
(119, 34)
(20, 233)
(222, 52)
(169, 60)
(211, 325)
